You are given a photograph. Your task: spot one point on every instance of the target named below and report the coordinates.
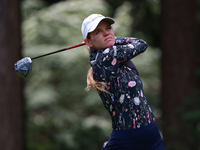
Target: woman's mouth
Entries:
(108, 39)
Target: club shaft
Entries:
(64, 49)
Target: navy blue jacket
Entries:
(125, 102)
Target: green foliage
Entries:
(60, 113)
(144, 18)
(190, 114)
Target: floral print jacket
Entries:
(125, 100)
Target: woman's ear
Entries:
(88, 42)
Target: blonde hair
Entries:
(91, 83)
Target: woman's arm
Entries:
(126, 40)
(123, 50)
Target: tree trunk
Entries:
(179, 61)
(11, 101)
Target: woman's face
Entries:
(102, 37)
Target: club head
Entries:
(23, 67)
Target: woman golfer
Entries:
(117, 81)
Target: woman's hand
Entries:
(105, 144)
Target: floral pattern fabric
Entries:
(125, 102)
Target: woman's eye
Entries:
(109, 27)
(98, 31)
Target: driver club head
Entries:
(23, 67)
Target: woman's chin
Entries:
(110, 44)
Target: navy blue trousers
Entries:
(146, 138)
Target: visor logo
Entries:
(95, 16)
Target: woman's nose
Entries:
(105, 32)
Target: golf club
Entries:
(23, 67)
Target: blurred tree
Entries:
(50, 2)
(179, 64)
(145, 19)
(11, 101)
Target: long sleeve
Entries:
(123, 50)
